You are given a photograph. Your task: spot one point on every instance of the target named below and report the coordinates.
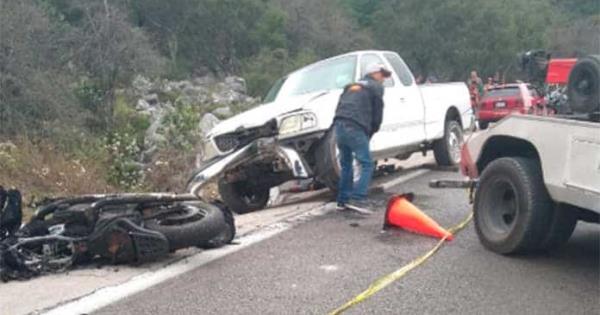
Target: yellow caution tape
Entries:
(388, 279)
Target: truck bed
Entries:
(569, 152)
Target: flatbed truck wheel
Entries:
(513, 211)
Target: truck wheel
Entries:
(327, 164)
(483, 125)
(243, 197)
(564, 220)
(328, 167)
(512, 206)
(584, 85)
(447, 149)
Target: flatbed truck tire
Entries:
(513, 210)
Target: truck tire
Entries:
(327, 165)
(447, 149)
(584, 86)
(512, 206)
(562, 225)
(243, 197)
(483, 125)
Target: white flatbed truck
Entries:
(534, 177)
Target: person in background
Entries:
(357, 118)
(489, 84)
(420, 79)
(476, 90)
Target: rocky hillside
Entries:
(155, 145)
(210, 98)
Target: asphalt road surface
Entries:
(320, 264)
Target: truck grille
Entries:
(227, 142)
(233, 140)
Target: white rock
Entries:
(141, 85)
(207, 122)
(223, 111)
(142, 105)
(205, 80)
(152, 99)
(236, 84)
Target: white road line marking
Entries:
(397, 181)
(108, 295)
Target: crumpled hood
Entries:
(259, 115)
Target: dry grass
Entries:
(170, 171)
(40, 170)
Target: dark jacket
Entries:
(362, 104)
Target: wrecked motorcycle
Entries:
(120, 228)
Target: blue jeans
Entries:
(353, 143)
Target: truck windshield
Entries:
(323, 76)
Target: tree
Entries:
(32, 78)
(322, 26)
(362, 10)
(59, 54)
(576, 39)
(450, 38)
(216, 34)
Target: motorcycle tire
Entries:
(227, 235)
(200, 223)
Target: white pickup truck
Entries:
(289, 136)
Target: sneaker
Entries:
(340, 206)
(360, 206)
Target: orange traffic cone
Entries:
(403, 214)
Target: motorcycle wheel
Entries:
(190, 224)
(226, 235)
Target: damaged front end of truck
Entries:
(247, 162)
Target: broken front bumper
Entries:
(262, 148)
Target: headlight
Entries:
(296, 123)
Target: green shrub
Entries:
(89, 94)
(124, 171)
(126, 119)
(181, 127)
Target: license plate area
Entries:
(501, 104)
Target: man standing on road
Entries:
(358, 117)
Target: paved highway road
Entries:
(320, 264)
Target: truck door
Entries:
(410, 112)
(385, 138)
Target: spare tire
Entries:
(196, 224)
(584, 86)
